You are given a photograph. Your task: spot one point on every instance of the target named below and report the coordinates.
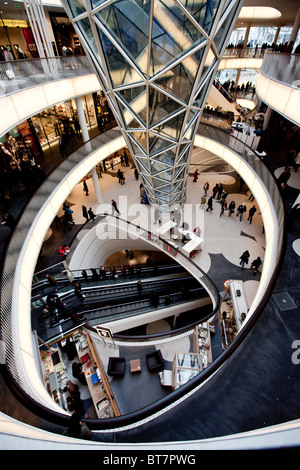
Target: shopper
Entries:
(240, 211)
(63, 250)
(51, 280)
(78, 292)
(91, 214)
(196, 174)
(231, 208)
(85, 188)
(255, 265)
(251, 213)
(114, 207)
(206, 188)
(210, 204)
(244, 258)
(223, 208)
(85, 212)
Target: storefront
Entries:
(17, 37)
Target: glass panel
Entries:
(156, 144)
(120, 70)
(203, 11)
(179, 80)
(129, 119)
(160, 106)
(136, 99)
(171, 128)
(168, 157)
(129, 24)
(223, 30)
(140, 137)
(173, 34)
(77, 7)
(87, 32)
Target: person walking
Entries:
(244, 258)
(210, 204)
(85, 212)
(223, 207)
(91, 214)
(196, 174)
(85, 188)
(231, 208)
(255, 265)
(251, 213)
(136, 174)
(240, 211)
(114, 207)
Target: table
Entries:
(135, 366)
(196, 243)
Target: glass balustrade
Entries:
(21, 74)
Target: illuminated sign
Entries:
(14, 23)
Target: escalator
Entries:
(106, 303)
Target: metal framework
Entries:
(156, 60)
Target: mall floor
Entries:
(258, 386)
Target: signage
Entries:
(14, 23)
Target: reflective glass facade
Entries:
(156, 60)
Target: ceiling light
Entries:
(259, 13)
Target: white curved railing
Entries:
(278, 84)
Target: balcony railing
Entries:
(284, 68)
(18, 75)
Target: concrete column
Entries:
(86, 138)
(296, 27)
(82, 121)
(96, 185)
(267, 117)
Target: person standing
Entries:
(206, 188)
(244, 258)
(215, 190)
(136, 174)
(78, 292)
(114, 207)
(196, 174)
(85, 212)
(251, 213)
(220, 191)
(231, 208)
(85, 188)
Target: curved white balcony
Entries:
(278, 84)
